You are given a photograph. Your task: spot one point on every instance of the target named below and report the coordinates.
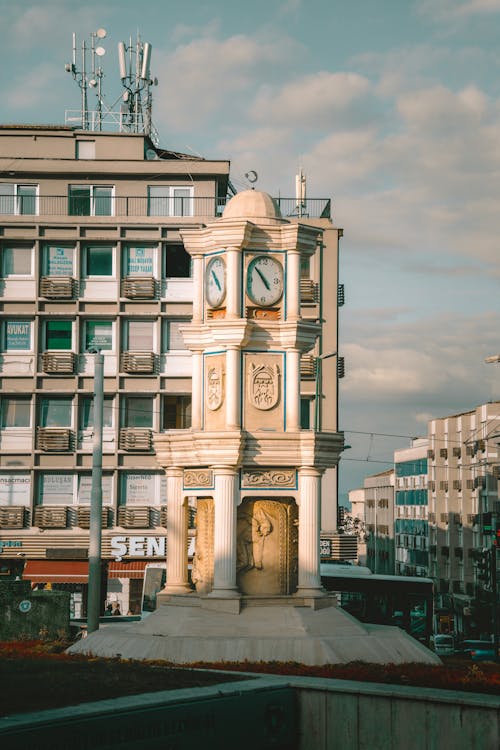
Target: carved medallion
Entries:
(263, 386)
(215, 387)
(268, 478)
(198, 478)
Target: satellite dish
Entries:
(101, 33)
(151, 154)
(252, 176)
(100, 51)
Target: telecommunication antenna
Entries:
(82, 79)
(137, 99)
(300, 192)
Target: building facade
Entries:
(91, 257)
(411, 512)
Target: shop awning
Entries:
(53, 571)
(132, 569)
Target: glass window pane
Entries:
(55, 412)
(139, 261)
(79, 200)
(26, 199)
(138, 411)
(138, 488)
(16, 412)
(87, 413)
(16, 261)
(305, 413)
(176, 412)
(158, 201)
(99, 261)
(58, 334)
(58, 261)
(182, 202)
(178, 262)
(6, 197)
(85, 149)
(55, 489)
(85, 489)
(17, 335)
(175, 340)
(140, 336)
(99, 335)
(102, 201)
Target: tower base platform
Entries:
(188, 629)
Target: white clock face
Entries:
(265, 280)
(215, 282)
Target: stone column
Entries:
(233, 380)
(293, 284)
(196, 389)
(225, 532)
(292, 390)
(197, 288)
(233, 282)
(309, 532)
(177, 570)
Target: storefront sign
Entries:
(60, 261)
(15, 489)
(140, 261)
(9, 543)
(18, 334)
(137, 546)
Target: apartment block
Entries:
(411, 527)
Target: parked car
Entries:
(478, 650)
(444, 645)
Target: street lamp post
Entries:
(95, 531)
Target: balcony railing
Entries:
(156, 208)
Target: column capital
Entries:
(310, 471)
(224, 470)
(174, 471)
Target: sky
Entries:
(392, 108)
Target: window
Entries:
(18, 199)
(16, 261)
(58, 334)
(176, 412)
(57, 261)
(138, 336)
(90, 200)
(305, 413)
(98, 334)
(177, 262)
(16, 335)
(305, 267)
(173, 339)
(55, 489)
(87, 413)
(138, 261)
(85, 489)
(15, 489)
(164, 200)
(85, 149)
(55, 412)
(138, 411)
(98, 260)
(138, 488)
(16, 412)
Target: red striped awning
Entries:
(132, 569)
(56, 571)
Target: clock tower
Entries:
(254, 470)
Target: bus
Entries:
(404, 601)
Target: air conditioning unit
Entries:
(308, 367)
(59, 363)
(134, 518)
(308, 291)
(138, 287)
(57, 287)
(83, 517)
(138, 363)
(54, 439)
(12, 518)
(135, 439)
(50, 517)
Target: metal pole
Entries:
(494, 590)
(94, 589)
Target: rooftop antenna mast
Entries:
(81, 77)
(300, 193)
(134, 61)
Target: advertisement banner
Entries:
(17, 334)
(140, 261)
(140, 488)
(85, 489)
(15, 489)
(55, 489)
(60, 261)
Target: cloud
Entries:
(446, 10)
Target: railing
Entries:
(142, 206)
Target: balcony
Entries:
(135, 439)
(138, 363)
(134, 518)
(135, 287)
(54, 439)
(50, 517)
(57, 287)
(141, 206)
(58, 363)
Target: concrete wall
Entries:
(32, 614)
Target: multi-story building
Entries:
(373, 505)
(91, 257)
(463, 461)
(411, 528)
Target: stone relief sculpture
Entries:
(263, 386)
(198, 478)
(215, 387)
(269, 478)
(252, 531)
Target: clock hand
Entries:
(266, 283)
(217, 282)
